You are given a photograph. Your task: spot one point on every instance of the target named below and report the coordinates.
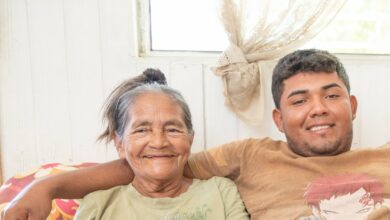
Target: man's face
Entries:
(316, 114)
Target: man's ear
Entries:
(278, 119)
(354, 105)
(119, 146)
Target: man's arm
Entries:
(34, 202)
(224, 161)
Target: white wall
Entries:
(61, 58)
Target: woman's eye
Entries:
(140, 130)
(173, 130)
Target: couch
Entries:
(62, 209)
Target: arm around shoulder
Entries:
(224, 160)
(34, 202)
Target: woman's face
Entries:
(156, 141)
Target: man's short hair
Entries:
(305, 61)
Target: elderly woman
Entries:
(151, 127)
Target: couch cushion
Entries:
(63, 209)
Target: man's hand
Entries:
(33, 203)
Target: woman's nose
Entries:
(158, 139)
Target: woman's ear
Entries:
(119, 146)
(192, 137)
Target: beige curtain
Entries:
(261, 30)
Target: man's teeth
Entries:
(317, 128)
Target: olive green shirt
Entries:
(213, 199)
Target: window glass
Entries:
(186, 25)
(362, 26)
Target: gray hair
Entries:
(124, 96)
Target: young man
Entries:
(314, 109)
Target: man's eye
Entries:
(299, 102)
(332, 96)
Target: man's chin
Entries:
(320, 149)
(327, 149)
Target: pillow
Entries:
(63, 209)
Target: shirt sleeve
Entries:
(220, 161)
(234, 207)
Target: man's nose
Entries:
(319, 108)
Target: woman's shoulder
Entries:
(101, 195)
(217, 182)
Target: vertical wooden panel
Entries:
(50, 80)
(1, 167)
(116, 41)
(188, 79)
(221, 123)
(84, 70)
(4, 34)
(387, 101)
(372, 88)
(18, 112)
(386, 105)
(354, 73)
(269, 128)
(117, 48)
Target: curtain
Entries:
(260, 30)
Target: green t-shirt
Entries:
(214, 199)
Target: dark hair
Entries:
(120, 100)
(307, 61)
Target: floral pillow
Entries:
(62, 209)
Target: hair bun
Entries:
(154, 76)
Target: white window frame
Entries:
(143, 37)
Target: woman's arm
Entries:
(34, 202)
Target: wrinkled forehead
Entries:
(157, 100)
(155, 106)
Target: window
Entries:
(186, 25)
(362, 26)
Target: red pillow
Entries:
(62, 209)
